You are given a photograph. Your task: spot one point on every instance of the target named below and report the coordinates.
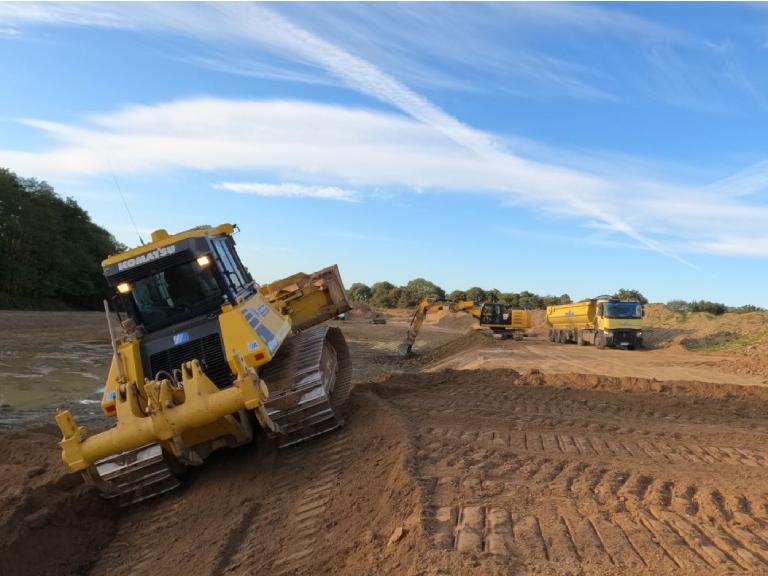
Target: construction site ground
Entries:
(476, 456)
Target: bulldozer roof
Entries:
(161, 239)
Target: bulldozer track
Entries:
(309, 382)
(304, 522)
(527, 403)
(564, 483)
(292, 512)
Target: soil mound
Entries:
(470, 341)
(539, 326)
(702, 331)
(361, 312)
(51, 522)
(455, 321)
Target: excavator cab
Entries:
(504, 320)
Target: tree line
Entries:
(716, 308)
(387, 295)
(50, 250)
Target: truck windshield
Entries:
(175, 294)
(623, 310)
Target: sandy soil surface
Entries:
(476, 351)
(590, 462)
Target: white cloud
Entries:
(340, 147)
(289, 190)
(341, 150)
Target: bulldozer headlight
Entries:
(203, 261)
(123, 287)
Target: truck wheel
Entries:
(551, 335)
(600, 341)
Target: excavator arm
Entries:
(427, 306)
(424, 308)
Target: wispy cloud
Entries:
(318, 147)
(308, 143)
(9, 32)
(289, 190)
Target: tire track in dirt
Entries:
(578, 482)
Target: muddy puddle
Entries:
(48, 359)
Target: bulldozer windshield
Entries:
(175, 294)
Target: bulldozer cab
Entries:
(177, 278)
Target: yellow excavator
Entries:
(204, 357)
(503, 320)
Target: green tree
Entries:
(746, 308)
(457, 295)
(380, 294)
(679, 306)
(511, 298)
(419, 288)
(634, 295)
(492, 295)
(476, 294)
(530, 301)
(50, 251)
(715, 308)
(360, 292)
(555, 300)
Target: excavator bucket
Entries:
(309, 298)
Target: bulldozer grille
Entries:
(207, 350)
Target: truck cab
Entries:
(619, 323)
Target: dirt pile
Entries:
(702, 331)
(673, 388)
(458, 321)
(539, 326)
(470, 341)
(361, 312)
(51, 523)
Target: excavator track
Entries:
(309, 382)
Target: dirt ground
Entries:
(478, 457)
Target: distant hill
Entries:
(50, 251)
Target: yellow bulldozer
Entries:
(502, 320)
(205, 356)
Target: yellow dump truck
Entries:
(602, 321)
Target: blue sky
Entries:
(570, 147)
